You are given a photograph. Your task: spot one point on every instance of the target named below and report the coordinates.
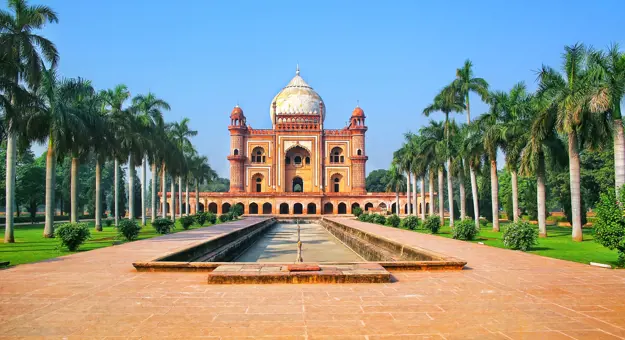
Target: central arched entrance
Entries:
(298, 209)
(298, 184)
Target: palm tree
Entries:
(489, 127)
(61, 122)
(412, 153)
(573, 95)
(433, 148)
(472, 150)
(514, 136)
(114, 100)
(396, 182)
(447, 101)
(612, 68)
(543, 144)
(201, 173)
(404, 159)
(25, 52)
(181, 134)
(150, 110)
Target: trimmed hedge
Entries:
(72, 235)
(163, 225)
(186, 222)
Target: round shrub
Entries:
(610, 223)
(393, 221)
(357, 211)
(72, 235)
(129, 229)
(379, 219)
(237, 210)
(210, 217)
(362, 217)
(464, 230)
(225, 217)
(484, 222)
(200, 218)
(520, 235)
(108, 222)
(163, 225)
(186, 222)
(410, 222)
(433, 224)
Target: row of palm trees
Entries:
(570, 111)
(75, 121)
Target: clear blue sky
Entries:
(205, 56)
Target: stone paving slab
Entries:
(502, 294)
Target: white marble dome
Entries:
(297, 97)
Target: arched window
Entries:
(307, 160)
(287, 160)
(259, 184)
(258, 155)
(297, 160)
(359, 152)
(236, 152)
(336, 155)
(337, 182)
(298, 184)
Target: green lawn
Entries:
(558, 244)
(30, 246)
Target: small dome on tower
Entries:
(237, 113)
(358, 112)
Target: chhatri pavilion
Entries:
(298, 166)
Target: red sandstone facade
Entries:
(297, 166)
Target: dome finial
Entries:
(357, 103)
(297, 70)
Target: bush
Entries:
(72, 235)
(410, 222)
(393, 221)
(379, 219)
(484, 222)
(362, 217)
(129, 229)
(200, 218)
(433, 224)
(357, 211)
(186, 221)
(225, 217)
(610, 223)
(237, 210)
(163, 225)
(464, 230)
(108, 222)
(520, 236)
(210, 217)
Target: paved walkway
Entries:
(502, 295)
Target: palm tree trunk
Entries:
(397, 202)
(164, 190)
(476, 202)
(574, 172)
(540, 196)
(98, 195)
(619, 155)
(422, 198)
(450, 193)
(515, 195)
(463, 197)
(173, 198)
(408, 205)
(441, 203)
(10, 187)
(153, 205)
(197, 196)
(431, 187)
(131, 187)
(494, 192)
(180, 195)
(186, 197)
(415, 204)
(74, 191)
(143, 179)
(116, 189)
(48, 229)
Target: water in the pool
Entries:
(279, 244)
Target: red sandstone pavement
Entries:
(501, 295)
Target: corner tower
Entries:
(359, 157)
(238, 134)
